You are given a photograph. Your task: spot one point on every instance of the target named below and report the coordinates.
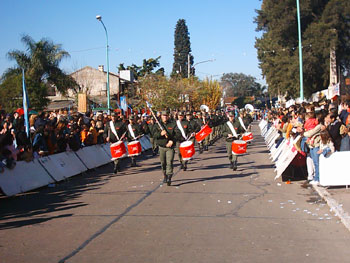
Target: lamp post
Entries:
(300, 55)
(209, 60)
(99, 18)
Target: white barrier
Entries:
(93, 156)
(54, 168)
(333, 170)
(284, 154)
(24, 177)
(63, 165)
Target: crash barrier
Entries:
(27, 176)
(283, 153)
(331, 169)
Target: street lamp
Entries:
(210, 60)
(99, 18)
(300, 55)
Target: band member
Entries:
(231, 131)
(200, 120)
(114, 131)
(134, 132)
(183, 134)
(165, 135)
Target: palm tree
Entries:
(41, 62)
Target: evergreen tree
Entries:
(182, 50)
(325, 24)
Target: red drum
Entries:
(239, 147)
(248, 137)
(118, 150)
(187, 150)
(134, 148)
(203, 133)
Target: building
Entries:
(93, 82)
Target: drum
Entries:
(134, 148)
(248, 137)
(239, 147)
(187, 150)
(203, 133)
(118, 150)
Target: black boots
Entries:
(165, 178)
(169, 180)
(231, 165)
(234, 165)
(133, 162)
(185, 166)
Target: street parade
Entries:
(175, 131)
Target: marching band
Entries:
(179, 131)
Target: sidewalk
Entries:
(338, 200)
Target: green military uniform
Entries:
(226, 131)
(166, 154)
(137, 132)
(180, 138)
(120, 129)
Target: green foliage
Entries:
(182, 50)
(325, 24)
(147, 68)
(240, 85)
(174, 93)
(11, 95)
(41, 64)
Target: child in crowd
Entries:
(326, 144)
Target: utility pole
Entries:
(300, 55)
(188, 65)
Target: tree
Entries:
(182, 50)
(240, 85)
(325, 24)
(41, 64)
(147, 68)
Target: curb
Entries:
(334, 205)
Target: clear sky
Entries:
(222, 30)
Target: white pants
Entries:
(310, 168)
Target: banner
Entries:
(123, 104)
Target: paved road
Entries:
(209, 214)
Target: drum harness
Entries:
(111, 125)
(234, 133)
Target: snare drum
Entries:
(187, 150)
(239, 147)
(118, 150)
(134, 148)
(248, 137)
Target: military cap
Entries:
(114, 114)
(165, 112)
(231, 114)
(188, 113)
(131, 117)
(198, 113)
(181, 113)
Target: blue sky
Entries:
(222, 30)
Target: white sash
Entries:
(242, 123)
(131, 132)
(178, 123)
(234, 133)
(111, 125)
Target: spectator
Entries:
(326, 144)
(333, 127)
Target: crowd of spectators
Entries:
(50, 133)
(321, 129)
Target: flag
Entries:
(25, 104)
(149, 105)
(123, 104)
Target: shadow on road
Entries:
(197, 180)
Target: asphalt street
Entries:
(209, 214)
